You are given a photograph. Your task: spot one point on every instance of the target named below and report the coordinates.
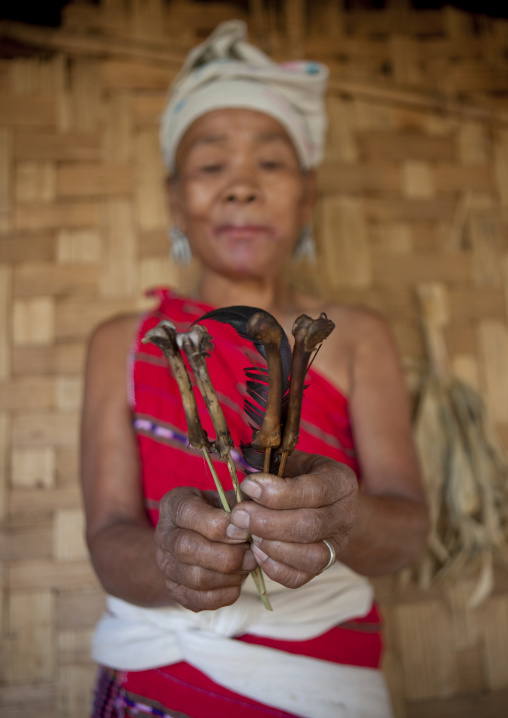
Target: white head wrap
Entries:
(226, 71)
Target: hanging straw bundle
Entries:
(465, 473)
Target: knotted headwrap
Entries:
(226, 71)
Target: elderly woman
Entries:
(185, 633)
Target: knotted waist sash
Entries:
(129, 637)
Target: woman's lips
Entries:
(244, 231)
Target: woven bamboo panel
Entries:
(414, 189)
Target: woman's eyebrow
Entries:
(273, 137)
(223, 139)
(208, 140)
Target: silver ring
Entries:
(333, 555)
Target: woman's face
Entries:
(240, 195)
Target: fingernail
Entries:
(241, 518)
(251, 488)
(260, 555)
(256, 539)
(233, 532)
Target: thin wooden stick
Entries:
(259, 581)
(257, 573)
(282, 465)
(234, 477)
(266, 466)
(220, 489)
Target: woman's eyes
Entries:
(271, 164)
(211, 168)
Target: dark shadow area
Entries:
(49, 12)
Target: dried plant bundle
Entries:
(465, 472)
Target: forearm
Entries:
(389, 534)
(123, 555)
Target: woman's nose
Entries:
(242, 192)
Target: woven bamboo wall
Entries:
(418, 137)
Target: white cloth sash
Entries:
(129, 637)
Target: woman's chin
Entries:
(248, 266)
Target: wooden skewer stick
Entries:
(266, 464)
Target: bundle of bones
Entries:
(275, 392)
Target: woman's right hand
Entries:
(203, 558)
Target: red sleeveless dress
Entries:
(168, 461)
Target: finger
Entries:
(194, 549)
(202, 579)
(209, 600)
(279, 571)
(214, 499)
(300, 462)
(329, 481)
(188, 508)
(195, 577)
(297, 525)
(306, 558)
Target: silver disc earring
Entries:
(305, 246)
(180, 252)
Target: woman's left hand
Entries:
(289, 518)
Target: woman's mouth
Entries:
(244, 231)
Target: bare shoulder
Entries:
(108, 348)
(115, 331)
(354, 319)
(357, 324)
(367, 336)
(354, 324)
(358, 331)
(112, 339)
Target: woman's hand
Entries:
(288, 518)
(203, 558)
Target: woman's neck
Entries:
(269, 294)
